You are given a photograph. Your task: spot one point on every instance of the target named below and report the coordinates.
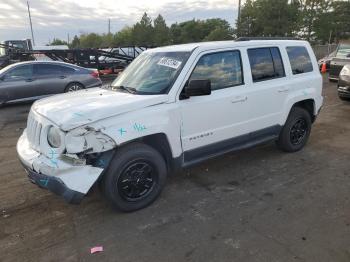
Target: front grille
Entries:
(34, 129)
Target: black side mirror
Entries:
(198, 88)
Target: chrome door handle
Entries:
(238, 99)
(283, 90)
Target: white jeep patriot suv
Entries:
(172, 107)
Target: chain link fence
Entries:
(323, 50)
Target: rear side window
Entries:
(265, 63)
(67, 70)
(47, 70)
(223, 69)
(299, 60)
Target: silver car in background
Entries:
(33, 80)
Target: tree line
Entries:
(318, 21)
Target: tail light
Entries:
(95, 74)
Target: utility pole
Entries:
(109, 25)
(68, 38)
(239, 16)
(30, 21)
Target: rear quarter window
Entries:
(299, 59)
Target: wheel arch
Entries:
(309, 106)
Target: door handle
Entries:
(238, 99)
(29, 80)
(283, 90)
(62, 77)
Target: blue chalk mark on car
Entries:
(44, 182)
(53, 159)
(122, 131)
(139, 127)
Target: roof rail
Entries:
(265, 38)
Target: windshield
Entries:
(152, 73)
(343, 51)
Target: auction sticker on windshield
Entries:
(169, 62)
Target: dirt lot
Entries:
(255, 205)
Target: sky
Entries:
(58, 18)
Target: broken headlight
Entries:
(54, 137)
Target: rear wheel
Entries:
(296, 130)
(135, 177)
(344, 98)
(73, 87)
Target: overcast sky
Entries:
(57, 18)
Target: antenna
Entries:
(30, 21)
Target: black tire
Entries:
(131, 169)
(73, 87)
(296, 131)
(344, 98)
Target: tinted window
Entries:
(47, 70)
(265, 63)
(222, 69)
(343, 51)
(299, 59)
(67, 70)
(20, 72)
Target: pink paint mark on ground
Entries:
(96, 249)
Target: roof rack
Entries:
(265, 38)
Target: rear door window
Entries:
(299, 59)
(43, 70)
(266, 63)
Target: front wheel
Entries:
(135, 177)
(296, 130)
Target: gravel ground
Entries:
(254, 205)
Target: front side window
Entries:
(223, 69)
(265, 63)
(20, 72)
(299, 59)
(152, 73)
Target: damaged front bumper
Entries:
(70, 181)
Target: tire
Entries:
(296, 131)
(73, 87)
(344, 98)
(135, 177)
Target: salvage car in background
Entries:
(327, 60)
(344, 83)
(32, 80)
(341, 58)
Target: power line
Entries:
(30, 21)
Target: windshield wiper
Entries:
(130, 90)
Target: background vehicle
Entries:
(32, 80)
(344, 83)
(341, 58)
(327, 59)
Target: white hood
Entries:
(75, 109)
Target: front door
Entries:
(208, 121)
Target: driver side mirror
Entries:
(198, 88)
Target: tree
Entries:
(75, 42)
(311, 13)
(123, 37)
(161, 32)
(142, 32)
(268, 18)
(57, 41)
(91, 40)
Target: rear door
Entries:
(267, 90)
(18, 83)
(50, 78)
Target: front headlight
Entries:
(54, 137)
(345, 71)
